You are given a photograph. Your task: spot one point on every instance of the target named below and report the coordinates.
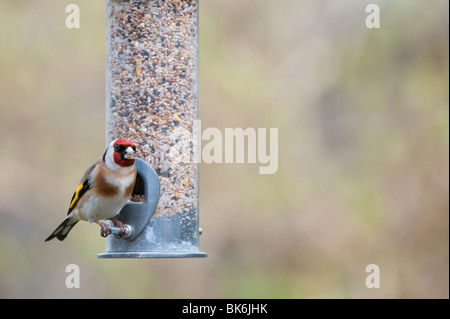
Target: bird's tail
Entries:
(62, 230)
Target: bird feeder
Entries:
(152, 99)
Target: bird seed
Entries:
(152, 91)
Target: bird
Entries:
(103, 190)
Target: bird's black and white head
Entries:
(120, 154)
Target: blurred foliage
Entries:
(363, 118)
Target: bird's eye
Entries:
(117, 148)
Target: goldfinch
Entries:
(103, 190)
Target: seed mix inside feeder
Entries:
(152, 99)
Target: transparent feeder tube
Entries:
(152, 99)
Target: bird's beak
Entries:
(130, 154)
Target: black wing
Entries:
(79, 192)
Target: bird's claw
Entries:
(105, 231)
(119, 224)
(122, 232)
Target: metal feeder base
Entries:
(152, 254)
(173, 236)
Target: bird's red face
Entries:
(124, 152)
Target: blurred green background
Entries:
(363, 177)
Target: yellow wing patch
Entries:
(75, 196)
(79, 192)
